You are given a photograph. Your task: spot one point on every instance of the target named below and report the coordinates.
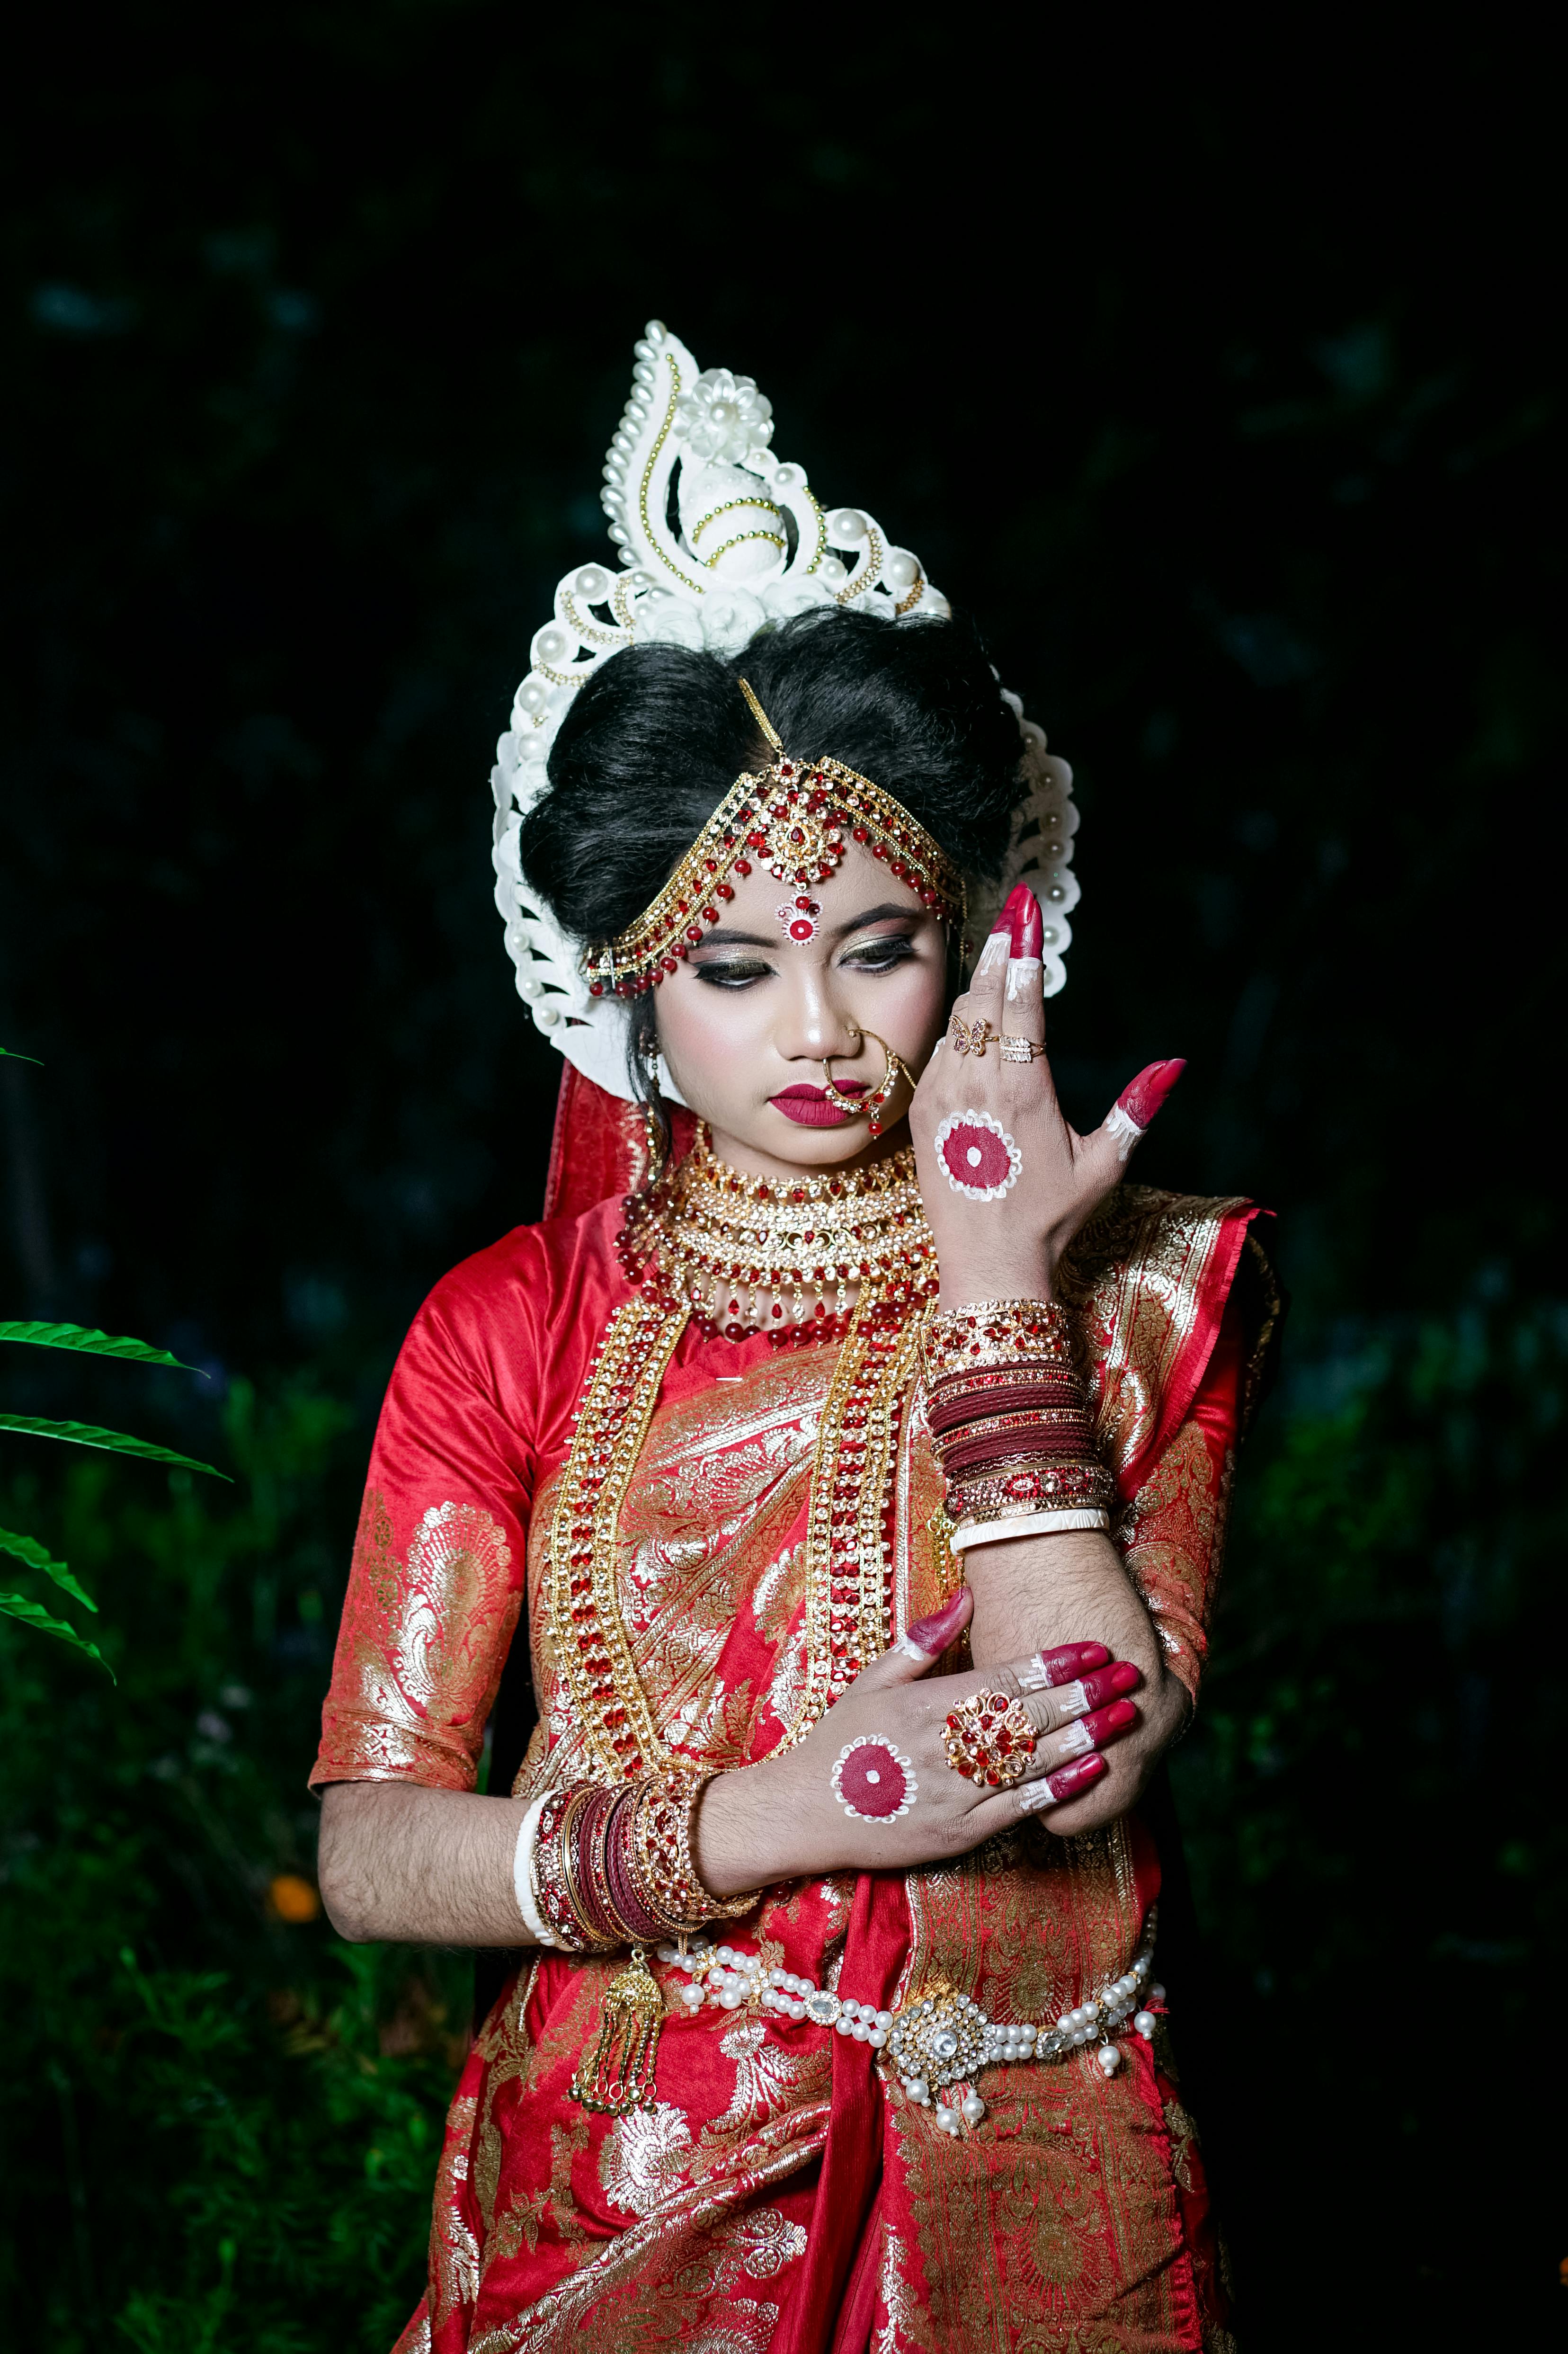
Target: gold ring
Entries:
(968, 1040)
(990, 1739)
(1019, 1050)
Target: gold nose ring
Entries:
(876, 1099)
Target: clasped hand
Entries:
(783, 1818)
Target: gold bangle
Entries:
(989, 1332)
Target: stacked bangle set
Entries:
(1010, 1421)
(608, 1864)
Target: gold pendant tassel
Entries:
(616, 2075)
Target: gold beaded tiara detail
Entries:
(794, 818)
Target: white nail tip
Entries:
(1126, 1131)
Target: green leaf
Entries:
(99, 1344)
(37, 1556)
(16, 1606)
(11, 1056)
(117, 1442)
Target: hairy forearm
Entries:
(748, 1833)
(419, 1867)
(1039, 1591)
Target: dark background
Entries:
(1220, 379)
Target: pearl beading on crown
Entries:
(749, 545)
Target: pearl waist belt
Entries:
(940, 2042)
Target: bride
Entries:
(845, 1455)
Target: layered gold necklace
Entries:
(778, 1255)
(708, 1242)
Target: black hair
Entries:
(655, 740)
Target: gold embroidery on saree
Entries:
(1133, 1279)
(654, 2286)
(905, 2325)
(764, 2075)
(1061, 2213)
(423, 1643)
(645, 2158)
(1175, 1543)
(454, 2248)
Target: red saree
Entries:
(782, 2194)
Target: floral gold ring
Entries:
(990, 1739)
(970, 1038)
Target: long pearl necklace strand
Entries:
(938, 2043)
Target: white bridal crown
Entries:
(717, 539)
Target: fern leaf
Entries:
(98, 1344)
(37, 1556)
(117, 1442)
(16, 1606)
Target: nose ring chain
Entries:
(874, 1102)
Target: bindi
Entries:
(800, 917)
(978, 1156)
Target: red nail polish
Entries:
(1029, 930)
(1072, 1781)
(1144, 1098)
(935, 1633)
(1107, 1723)
(1013, 907)
(1069, 1661)
(1121, 1676)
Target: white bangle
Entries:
(522, 1875)
(1031, 1524)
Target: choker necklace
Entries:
(777, 1255)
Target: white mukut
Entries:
(750, 545)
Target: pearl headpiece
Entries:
(747, 544)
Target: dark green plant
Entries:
(219, 2123)
(28, 1548)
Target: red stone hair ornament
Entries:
(795, 817)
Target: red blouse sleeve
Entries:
(437, 1576)
(1172, 1536)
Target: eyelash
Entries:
(894, 951)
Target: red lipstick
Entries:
(808, 1107)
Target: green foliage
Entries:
(220, 2122)
(38, 1556)
(88, 1338)
(33, 1613)
(89, 1434)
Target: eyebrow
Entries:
(724, 938)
